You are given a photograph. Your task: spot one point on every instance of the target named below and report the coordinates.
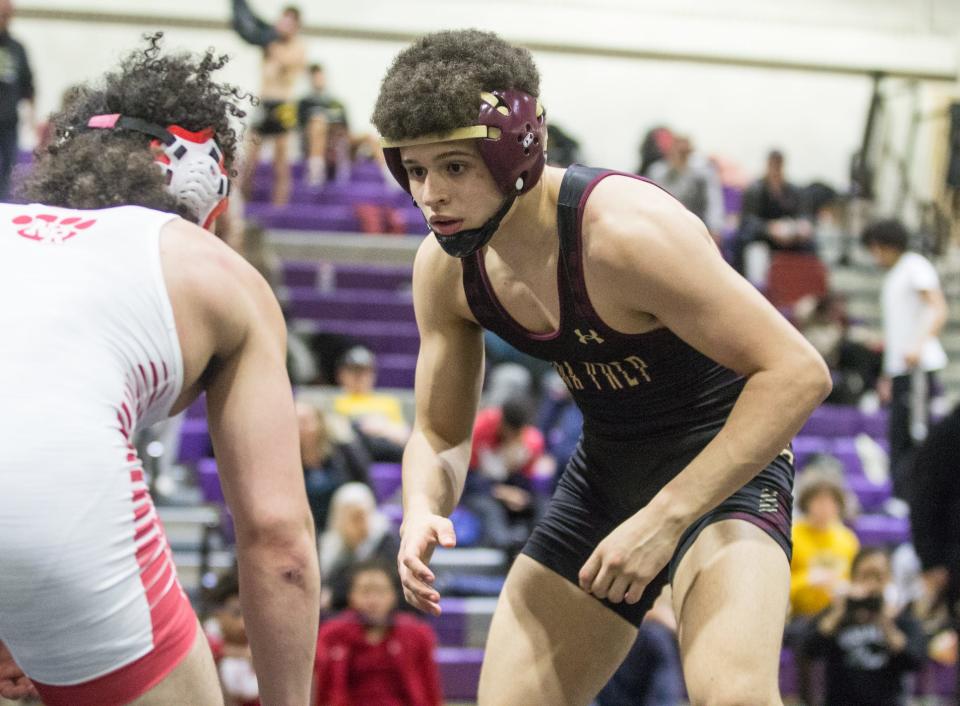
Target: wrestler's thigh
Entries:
(550, 643)
(731, 591)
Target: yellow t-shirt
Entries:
(370, 405)
(820, 559)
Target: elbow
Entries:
(813, 380)
(287, 540)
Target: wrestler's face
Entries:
(372, 594)
(451, 185)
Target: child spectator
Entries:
(823, 547)
(869, 647)
(228, 641)
(371, 654)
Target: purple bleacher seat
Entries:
(296, 273)
(358, 304)
(209, 481)
(198, 408)
(880, 530)
(298, 216)
(732, 199)
(459, 671)
(451, 624)
(789, 683)
(385, 479)
(264, 171)
(194, 441)
(805, 447)
(380, 336)
(937, 680)
(833, 421)
(875, 425)
(845, 451)
(365, 276)
(366, 170)
(871, 496)
(396, 370)
(393, 512)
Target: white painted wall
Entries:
(608, 103)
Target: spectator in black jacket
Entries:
(869, 648)
(16, 84)
(773, 213)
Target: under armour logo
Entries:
(787, 454)
(768, 500)
(587, 337)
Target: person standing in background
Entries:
(914, 313)
(691, 179)
(16, 84)
(284, 60)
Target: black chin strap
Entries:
(465, 243)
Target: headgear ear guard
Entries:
(512, 133)
(192, 162)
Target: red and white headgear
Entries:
(192, 162)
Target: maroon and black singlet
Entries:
(650, 404)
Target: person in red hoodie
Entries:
(371, 654)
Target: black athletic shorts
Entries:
(606, 482)
(277, 117)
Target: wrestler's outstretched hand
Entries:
(629, 558)
(420, 534)
(14, 684)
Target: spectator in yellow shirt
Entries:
(823, 547)
(377, 417)
(823, 552)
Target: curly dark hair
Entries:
(84, 168)
(434, 85)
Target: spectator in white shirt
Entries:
(914, 313)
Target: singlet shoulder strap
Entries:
(576, 180)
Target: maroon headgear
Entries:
(512, 133)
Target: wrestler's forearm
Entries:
(433, 480)
(771, 409)
(280, 595)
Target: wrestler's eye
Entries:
(456, 168)
(416, 172)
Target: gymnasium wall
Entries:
(741, 76)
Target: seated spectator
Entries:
(823, 549)
(854, 365)
(507, 453)
(771, 219)
(564, 148)
(868, 646)
(327, 464)
(371, 654)
(377, 416)
(651, 674)
(227, 636)
(692, 180)
(356, 531)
